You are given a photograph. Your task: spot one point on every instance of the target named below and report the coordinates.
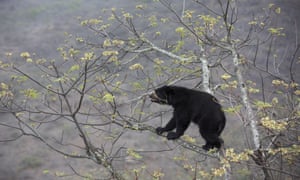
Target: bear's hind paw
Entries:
(172, 135)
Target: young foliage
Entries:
(96, 93)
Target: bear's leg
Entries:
(212, 139)
(181, 126)
(169, 127)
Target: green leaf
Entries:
(74, 68)
(134, 154)
(178, 46)
(153, 21)
(46, 171)
(108, 97)
(25, 55)
(30, 93)
(232, 109)
(262, 105)
(180, 31)
(276, 31)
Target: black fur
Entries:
(192, 106)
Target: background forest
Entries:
(76, 75)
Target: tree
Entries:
(100, 85)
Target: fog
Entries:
(40, 27)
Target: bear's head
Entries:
(162, 95)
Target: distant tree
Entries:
(100, 86)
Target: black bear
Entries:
(191, 105)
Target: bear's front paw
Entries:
(160, 130)
(208, 147)
(172, 135)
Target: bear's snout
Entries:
(154, 97)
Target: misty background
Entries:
(40, 27)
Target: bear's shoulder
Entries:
(190, 92)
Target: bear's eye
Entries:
(162, 96)
(165, 96)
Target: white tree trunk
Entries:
(250, 114)
(206, 75)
